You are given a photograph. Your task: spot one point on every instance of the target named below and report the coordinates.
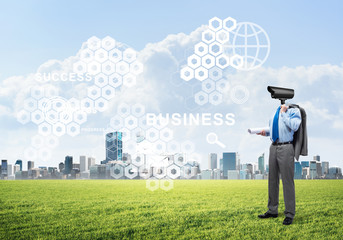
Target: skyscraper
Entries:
(91, 162)
(68, 164)
(114, 147)
(313, 169)
(83, 166)
(3, 168)
(228, 162)
(298, 170)
(212, 161)
(325, 168)
(20, 163)
(261, 163)
(316, 158)
(30, 164)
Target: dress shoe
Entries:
(267, 215)
(287, 221)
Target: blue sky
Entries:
(301, 32)
(306, 54)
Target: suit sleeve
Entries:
(292, 119)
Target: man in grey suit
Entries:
(284, 123)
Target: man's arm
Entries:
(292, 119)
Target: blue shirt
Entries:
(289, 123)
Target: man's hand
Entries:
(283, 108)
(263, 133)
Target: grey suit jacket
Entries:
(300, 136)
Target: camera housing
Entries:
(281, 93)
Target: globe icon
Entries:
(251, 42)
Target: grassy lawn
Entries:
(193, 209)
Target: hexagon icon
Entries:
(215, 73)
(215, 48)
(44, 129)
(129, 80)
(166, 184)
(152, 184)
(237, 61)
(59, 129)
(222, 86)
(215, 98)
(115, 80)
(94, 43)
(101, 55)
(144, 172)
(94, 92)
(208, 36)
(87, 105)
(73, 104)
(37, 92)
(173, 171)
(187, 147)
(94, 68)
(66, 116)
(129, 55)
(51, 141)
(86, 55)
(108, 43)
(122, 67)
(201, 49)
(201, 73)
(208, 61)
(131, 171)
(37, 141)
(159, 147)
(194, 61)
(166, 134)
(100, 80)
(137, 161)
(101, 104)
(123, 110)
(108, 68)
(138, 110)
(143, 123)
(229, 24)
(51, 116)
(117, 171)
(152, 135)
(116, 122)
(187, 171)
(37, 117)
(173, 146)
(30, 153)
(179, 160)
(44, 153)
(187, 73)
(159, 172)
(108, 92)
(58, 104)
(136, 67)
(80, 67)
(222, 61)
(131, 122)
(215, 24)
(201, 98)
(115, 55)
(208, 86)
(51, 91)
(80, 117)
(222, 36)
(23, 116)
(73, 129)
(30, 104)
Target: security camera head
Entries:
(281, 93)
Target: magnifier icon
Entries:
(212, 138)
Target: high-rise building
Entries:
(298, 170)
(206, 174)
(68, 164)
(306, 173)
(91, 162)
(20, 163)
(316, 158)
(305, 164)
(61, 166)
(261, 163)
(325, 168)
(114, 147)
(9, 170)
(30, 164)
(83, 163)
(212, 161)
(313, 169)
(233, 174)
(335, 173)
(3, 168)
(319, 169)
(16, 168)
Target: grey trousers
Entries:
(281, 161)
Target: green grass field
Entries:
(194, 209)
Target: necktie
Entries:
(275, 132)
